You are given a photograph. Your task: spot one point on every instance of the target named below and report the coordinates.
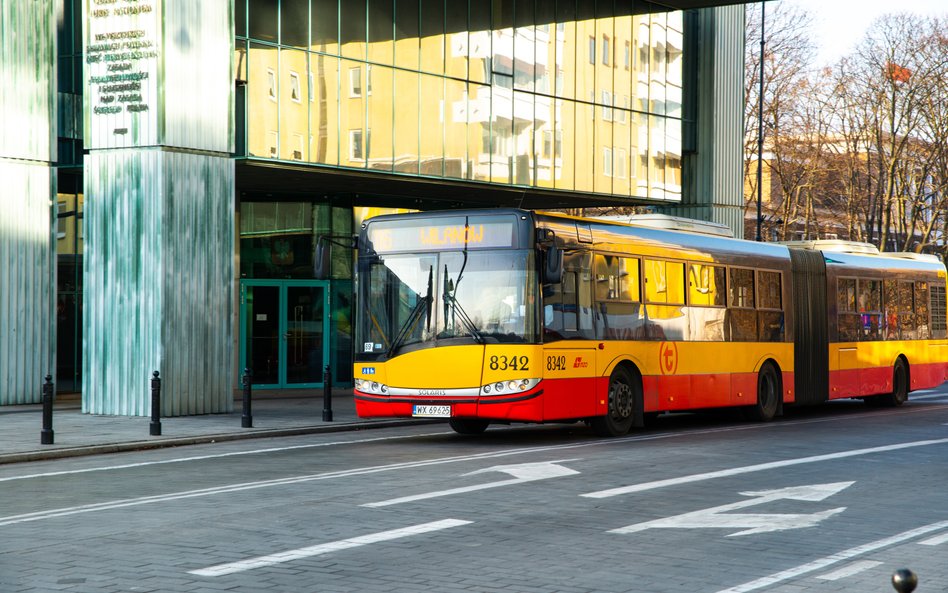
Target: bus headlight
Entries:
(509, 386)
(374, 387)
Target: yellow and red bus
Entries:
(508, 315)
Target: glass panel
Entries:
(706, 285)
(585, 149)
(846, 295)
(566, 54)
(479, 42)
(262, 92)
(674, 80)
(457, 41)
(379, 119)
(921, 310)
(294, 22)
(564, 144)
(640, 59)
(545, 46)
(639, 154)
(523, 139)
(294, 105)
(323, 91)
(406, 124)
(657, 65)
(672, 159)
(656, 155)
(431, 119)
(499, 144)
(455, 129)
(263, 20)
(240, 17)
(768, 290)
(325, 26)
(352, 114)
(604, 163)
(352, 28)
(478, 131)
(605, 34)
(341, 327)
(543, 145)
(432, 36)
(891, 293)
(503, 38)
(907, 317)
(276, 240)
(381, 32)
(304, 334)
(407, 43)
(263, 330)
(524, 45)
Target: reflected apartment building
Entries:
(196, 152)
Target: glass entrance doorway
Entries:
(284, 326)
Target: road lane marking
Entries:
(751, 523)
(736, 471)
(935, 541)
(848, 571)
(821, 563)
(327, 548)
(523, 472)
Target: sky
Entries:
(840, 24)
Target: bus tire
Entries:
(468, 425)
(768, 394)
(900, 386)
(624, 393)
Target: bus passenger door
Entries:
(569, 352)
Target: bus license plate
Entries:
(432, 411)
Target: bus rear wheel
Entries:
(900, 386)
(468, 425)
(768, 394)
(624, 391)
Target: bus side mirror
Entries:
(553, 265)
(321, 261)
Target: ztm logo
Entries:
(580, 363)
(668, 358)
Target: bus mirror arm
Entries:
(321, 258)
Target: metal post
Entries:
(46, 434)
(327, 394)
(904, 580)
(154, 429)
(246, 420)
(760, 125)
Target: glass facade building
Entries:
(196, 151)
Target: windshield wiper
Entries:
(451, 300)
(422, 305)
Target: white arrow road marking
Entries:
(821, 563)
(935, 541)
(320, 549)
(717, 517)
(523, 472)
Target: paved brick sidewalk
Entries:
(75, 433)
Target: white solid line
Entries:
(319, 549)
(427, 495)
(756, 468)
(935, 541)
(848, 571)
(836, 558)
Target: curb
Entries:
(163, 442)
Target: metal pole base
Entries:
(46, 437)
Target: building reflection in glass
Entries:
(542, 94)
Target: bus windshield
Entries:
(410, 301)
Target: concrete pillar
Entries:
(159, 214)
(713, 174)
(27, 207)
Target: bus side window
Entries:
(939, 311)
(740, 307)
(848, 323)
(559, 308)
(907, 311)
(921, 310)
(891, 293)
(769, 302)
(870, 310)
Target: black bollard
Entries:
(46, 435)
(327, 394)
(154, 429)
(904, 580)
(246, 420)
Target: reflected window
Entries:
(295, 87)
(356, 149)
(355, 81)
(271, 84)
(592, 50)
(706, 285)
(605, 50)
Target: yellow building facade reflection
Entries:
(544, 95)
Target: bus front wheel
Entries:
(623, 393)
(468, 425)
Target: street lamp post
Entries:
(760, 125)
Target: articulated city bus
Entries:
(507, 315)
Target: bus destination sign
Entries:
(449, 234)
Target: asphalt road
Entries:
(833, 498)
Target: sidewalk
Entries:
(273, 414)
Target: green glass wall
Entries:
(577, 96)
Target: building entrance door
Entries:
(284, 330)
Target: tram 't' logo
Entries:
(668, 358)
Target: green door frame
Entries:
(283, 285)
